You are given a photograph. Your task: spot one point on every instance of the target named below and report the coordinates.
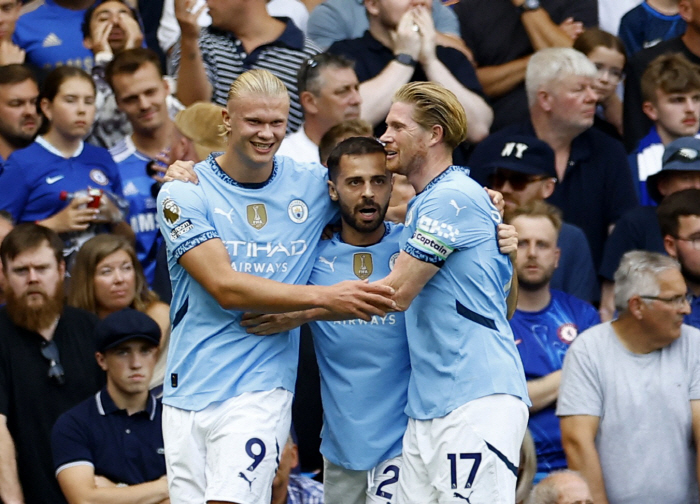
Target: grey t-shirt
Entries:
(645, 437)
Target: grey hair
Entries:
(546, 491)
(554, 63)
(637, 275)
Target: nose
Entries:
(531, 249)
(368, 190)
(32, 276)
(690, 105)
(118, 276)
(355, 97)
(136, 360)
(591, 95)
(143, 102)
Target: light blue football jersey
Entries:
(364, 366)
(270, 230)
(460, 342)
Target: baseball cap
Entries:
(202, 122)
(683, 154)
(519, 153)
(124, 325)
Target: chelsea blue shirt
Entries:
(142, 205)
(542, 338)
(459, 339)
(364, 366)
(270, 230)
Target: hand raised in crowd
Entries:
(572, 28)
(10, 53)
(132, 30)
(423, 19)
(100, 37)
(181, 170)
(108, 211)
(76, 216)
(187, 18)
(406, 39)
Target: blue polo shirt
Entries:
(123, 448)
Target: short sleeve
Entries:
(445, 19)
(182, 218)
(70, 442)
(580, 392)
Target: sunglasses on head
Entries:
(49, 350)
(518, 181)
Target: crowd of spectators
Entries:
(584, 115)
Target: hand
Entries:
(72, 217)
(159, 165)
(10, 53)
(572, 28)
(423, 18)
(134, 35)
(102, 482)
(496, 199)
(181, 170)
(405, 39)
(359, 299)
(108, 211)
(100, 37)
(507, 239)
(266, 324)
(187, 19)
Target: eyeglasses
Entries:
(675, 301)
(518, 181)
(614, 74)
(694, 242)
(49, 350)
(684, 155)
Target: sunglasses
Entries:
(49, 350)
(518, 181)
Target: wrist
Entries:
(405, 59)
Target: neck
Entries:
(436, 163)
(666, 7)
(629, 331)
(665, 136)
(254, 26)
(533, 301)
(314, 130)
(74, 4)
(65, 145)
(232, 166)
(154, 141)
(132, 403)
(352, 236)
(558, 138)
(380, 32)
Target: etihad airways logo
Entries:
(265, 249)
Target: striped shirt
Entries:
(303, 490)
(225, 59)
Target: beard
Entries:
(535, 284)
(692, 277)
(34, 318)
(349, 218)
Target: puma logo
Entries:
(250, 482)
(460, 496)
(219, 211)
(330, 264)
(457, 207)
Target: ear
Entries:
(294, 456)
(670, 246)
(166, 86)
(547, 188)
(62, 269)
(437, 134)
(685, 10)
(88, 43)
(544, 100)
(226, 118)
(101, 361)
(372, 7)
(45, 106)
(636, 307)
(332, 191)
(308, 102)
(650, 110)
(557, 255)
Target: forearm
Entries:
(479, 114)
(542, 31)
(501, 79)
(10, 488)
(543, 391)
(582, 456)
(377, 92)
(192, 82)
(152, 492)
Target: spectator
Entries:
(638, 229)
(93, 458)
(6, 225)
(671, 91)
(544, 324)
(610, 13)
(9, 52)
(562, 487)
(523, 27)
(633, 386)
(608, 55)
(49, 33)
(392, 52)
(19, 116)
(46, 362)
(59, 162)
(636, 122)
(679, 220)
(595, 186)
(142, 94)
(649, 23)
(522, 168)
(107, 277)
(340, 132)
(242, 36)
(329, 94)
(290, 488)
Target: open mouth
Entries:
(368, 213)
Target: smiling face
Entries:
(406, 142)
(141, 96)
(115, 283)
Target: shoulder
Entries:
(32, 151)
(576, 304)
(32, 9)
(82, 415)
(639, 61)
(79, 317)
(309, 170)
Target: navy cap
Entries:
(519, 153)
(124, 325)
(683, 154)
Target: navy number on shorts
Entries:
(476, 457)
(395, 471)
(257, 457)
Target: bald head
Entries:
(561, 487)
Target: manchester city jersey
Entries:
(270, 230)
(542, 338)
(460, 342)
(364, 366)
(142, 205)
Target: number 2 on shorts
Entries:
(395, 471)
(476, 457)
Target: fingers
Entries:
(79, 200)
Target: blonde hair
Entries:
(435, 105)
(258, 82)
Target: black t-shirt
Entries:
(32, 401)
(496, 35)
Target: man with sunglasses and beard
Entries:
(46, 362)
